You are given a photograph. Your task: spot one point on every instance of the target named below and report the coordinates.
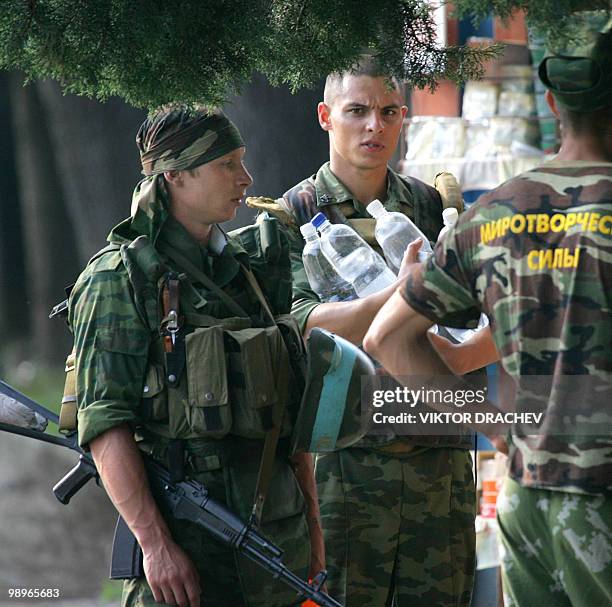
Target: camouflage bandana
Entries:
(579, 74)
(183, 139)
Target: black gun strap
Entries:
(278, 411)
(200, 276)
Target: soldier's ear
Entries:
(173, 177)
(324, 114)
(552, 103)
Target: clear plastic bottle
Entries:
(449, 217)
(352, 257)
(394, 232)
(323, 278)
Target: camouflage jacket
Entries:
(535, 255)
(109, 319)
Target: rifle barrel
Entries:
(35, 434)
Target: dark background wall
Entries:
(284, 141)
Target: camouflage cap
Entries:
(579, 72)
(181, 138)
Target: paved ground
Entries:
(44, 544)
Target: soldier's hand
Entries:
(410, 257)
(172, 575)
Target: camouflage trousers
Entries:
(226, 579)
(556, 547)
(398, 528)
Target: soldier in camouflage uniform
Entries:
(197, 398)
(397, 513)
(534, 255)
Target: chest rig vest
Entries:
(208, 377)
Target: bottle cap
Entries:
(450, 216)
(375, 208)
(318, 220)
(308, 230)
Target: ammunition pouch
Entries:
(233, 376)
(450, 191)
(268, 249)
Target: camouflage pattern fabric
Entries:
(556, 548)
(113, 336)
(368, 494)
(534, 255)
(225, 578)
(579, 71)
(398, 526)
(184, 139)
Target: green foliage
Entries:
(152, 52)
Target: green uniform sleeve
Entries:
(441, 289)
(304, 299)
(111, 343)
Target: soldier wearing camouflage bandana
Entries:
(188, 398)
(535, 256)
(397, 514)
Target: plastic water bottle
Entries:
(352, 257)
(323, 278)
(450, 217)
(394, 232)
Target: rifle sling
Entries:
(200, 276)
(271, 442)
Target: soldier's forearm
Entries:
(303, 467)
(349, 319)
(398, 340)
(121, 469)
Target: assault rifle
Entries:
(187, 500)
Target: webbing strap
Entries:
(258, 292)
(326, 427)
(278, 411)
(196, 273)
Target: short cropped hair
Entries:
(366, 66)
(597, 124)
